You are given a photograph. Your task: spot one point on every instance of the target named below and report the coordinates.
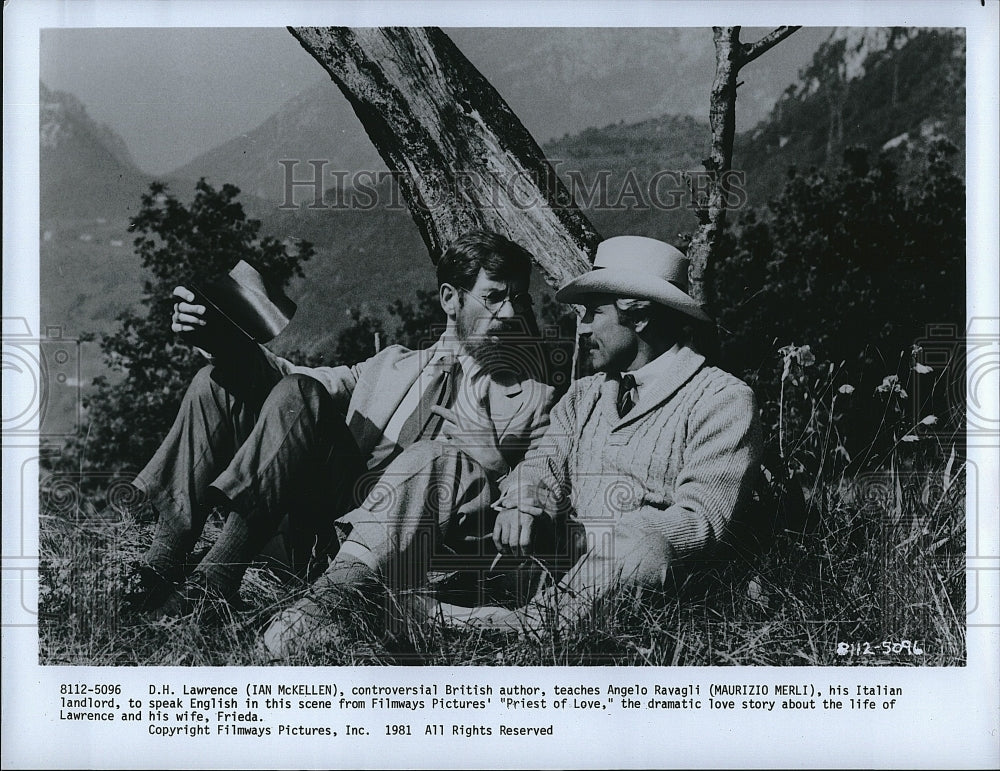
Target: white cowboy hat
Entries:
(637, 267)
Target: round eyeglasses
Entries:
(494, 301)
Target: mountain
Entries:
(556, 80)
(89, 186)
(317, 124)
(85, 168)
(886, 88)
(893, 89)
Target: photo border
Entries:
(947, 716)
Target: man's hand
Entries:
(186, 317)
(475, 436)
(514, 530)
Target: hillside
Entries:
(874, 87)
(85, 168)
(89, 185)
(316, 124)
(888, 88)
(555, 80)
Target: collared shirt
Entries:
(471, 390)
(652, 371)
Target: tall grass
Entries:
(870, 552)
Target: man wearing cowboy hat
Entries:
(648, 460)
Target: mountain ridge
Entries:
(85, 168)
(840, 84)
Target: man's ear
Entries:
(450, 300)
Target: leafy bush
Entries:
(132, 407)
(853, 266)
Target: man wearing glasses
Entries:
(410, 444)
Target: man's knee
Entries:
(296, 390)
(417, 472)
(637, 557)
(202, 382)
(204, 389)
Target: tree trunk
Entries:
(462, 158)
(711, 209)
(730, 56)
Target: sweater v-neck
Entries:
(679, 366)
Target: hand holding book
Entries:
(230, 317)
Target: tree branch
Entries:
(752, 50)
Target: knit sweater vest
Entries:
(679, 465)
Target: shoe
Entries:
(148, 587)
(308, 623)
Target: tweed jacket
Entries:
(516, 408)
(680, 464)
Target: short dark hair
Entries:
(501, 258)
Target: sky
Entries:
(173, 93)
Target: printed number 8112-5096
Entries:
(883, 648)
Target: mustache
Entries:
(506, 328)
(500, 329)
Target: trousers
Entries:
(428, 523)
(292, 473)
(288, 465)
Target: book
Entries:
(242, 310)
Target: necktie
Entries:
(439, 391)
(626, 395)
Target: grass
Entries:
(885, 560)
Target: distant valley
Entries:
(877, 89)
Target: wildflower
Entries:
(930, 420)
(890, 385)
(795, 354)
(847, 389)
(922, 369)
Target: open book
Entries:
(242, 310)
